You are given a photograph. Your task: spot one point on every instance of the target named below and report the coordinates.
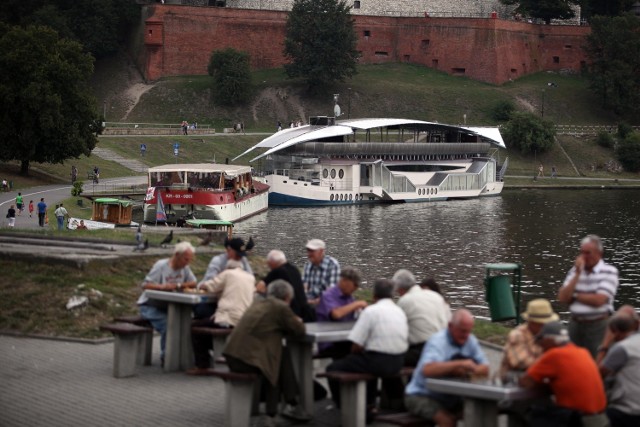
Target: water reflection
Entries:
(453, 240)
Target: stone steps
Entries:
(131, 164)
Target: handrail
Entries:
(503, 170)
(138, 125)
(587, 129)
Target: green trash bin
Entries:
(500, 291)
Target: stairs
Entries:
(132, 164)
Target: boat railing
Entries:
(474, 180)
(503, 170)
(389, 181)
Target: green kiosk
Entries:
(502, 285)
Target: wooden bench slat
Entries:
(125, 328)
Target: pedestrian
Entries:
(74, 174)
(42, 212)
(554, 172)
(11, 216)
(5, 184)
(96, 174)
(279, 128)
(540, 170)
(19, 203)
(143, 149)
(30, 208)
(185, 126)
(61, 213)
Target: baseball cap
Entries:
(553, 330)
(315, 244)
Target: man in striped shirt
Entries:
(320, 272)
(589, 289)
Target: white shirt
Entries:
(603, 279)
(235, 288)
(426, 311)
(382, 327)
(61, 211)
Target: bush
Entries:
(629, 152)
(529, 133)
(231, 76)
(604, 139)
(76, 190)
(624, 129)
(502, 111)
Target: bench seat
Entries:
(146, 341)
(403, 419)
(240, 390)
(219, 335)
(126, 347)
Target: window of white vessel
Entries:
(333, 173)
(325, 173)
(331, 198)
(340, 174)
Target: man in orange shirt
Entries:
(574, 380)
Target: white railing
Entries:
(587, 129)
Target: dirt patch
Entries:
(525, 104)
(132, 95)
(281, 103)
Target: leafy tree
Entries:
(624, 129)
(320, 42)
(604, 139)
(629, 152)
(605, 7)
(544, 9)
(614, 49)
(48, 113)
(231, 76)
(529, 133)
(502, 111)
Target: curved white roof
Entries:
(229, 170)
(292, 136)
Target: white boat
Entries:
(204, 191)
(329, 162)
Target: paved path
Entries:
(58, 383)
(111, 156)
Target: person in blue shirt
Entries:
(42, 212)
(452, 352)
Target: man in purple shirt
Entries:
(338, 305)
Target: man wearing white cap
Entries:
(320, 272)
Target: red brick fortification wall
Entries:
(179, 40)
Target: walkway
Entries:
(132, 164)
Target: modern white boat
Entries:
(330, 162)
(203, 191)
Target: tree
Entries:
(629, 152)
(48, 113)
(614, 49)
(231, 76)
(320, 42)
(529, 133)
(605, 7)
(544, 9)
(502, 111)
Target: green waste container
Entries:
(500, 289)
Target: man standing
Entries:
(320, 272)
(452, 352)
(282, 269)
(622, 365)
(42, 212)
(167, 274)
(19, 203)
(426, 311)
(573, 377)
(379, 340)
(521, 349)
(60, 214)
(589, 289)
(255, 346)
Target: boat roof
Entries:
(292, 136)
(111, 201)
(229, 170)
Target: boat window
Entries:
(341, 174)
(350, 197)
(325, 173)
(331, 198)
(333, 173)
(341, 197)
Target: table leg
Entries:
(178, 353)
(480, 413)
(301, 354)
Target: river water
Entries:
(451, 241)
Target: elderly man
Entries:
(622, 366)
(573, 377)
(235, 249)
(609, 336)
(255, 346)
(521, 349)
(426, 311)
(167, 274)
(320, 272)
(282, 269)
(589, 289)
(379, 342)
(452, 352)
(234, 288)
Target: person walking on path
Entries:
(30, 208)
(61, 213)
(42, 212)
(541, 171)
(19, 203)
(11, 216)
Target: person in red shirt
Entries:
(573, 377)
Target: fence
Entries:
(588, 129)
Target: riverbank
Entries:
(570, 183)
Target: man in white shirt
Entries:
(426, 311)
(60, 213)
(380, 339)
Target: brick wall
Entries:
(179, 40)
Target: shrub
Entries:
(624, 129)
(629, 152)
(604, 139)
(502, 111)
(231, 76)
(76, 190)
(529, 133)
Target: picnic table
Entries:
(302, 354)
(484, 398)
(179, 352)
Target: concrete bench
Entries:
(403, 419)
(219, 335)
(146, 340)
(239, 396)
(126, 347)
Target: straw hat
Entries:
(539, 311)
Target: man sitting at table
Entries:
(574, 379)
(338, 305)
(452, 352)
(234, 288)
(169, 274)
(426, 310)
(521, 349)
(380, 339)
(255, 346)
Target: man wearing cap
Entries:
(235, 249)
(521, 349)
(320, 272)
(573, 377)
(589, 289)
